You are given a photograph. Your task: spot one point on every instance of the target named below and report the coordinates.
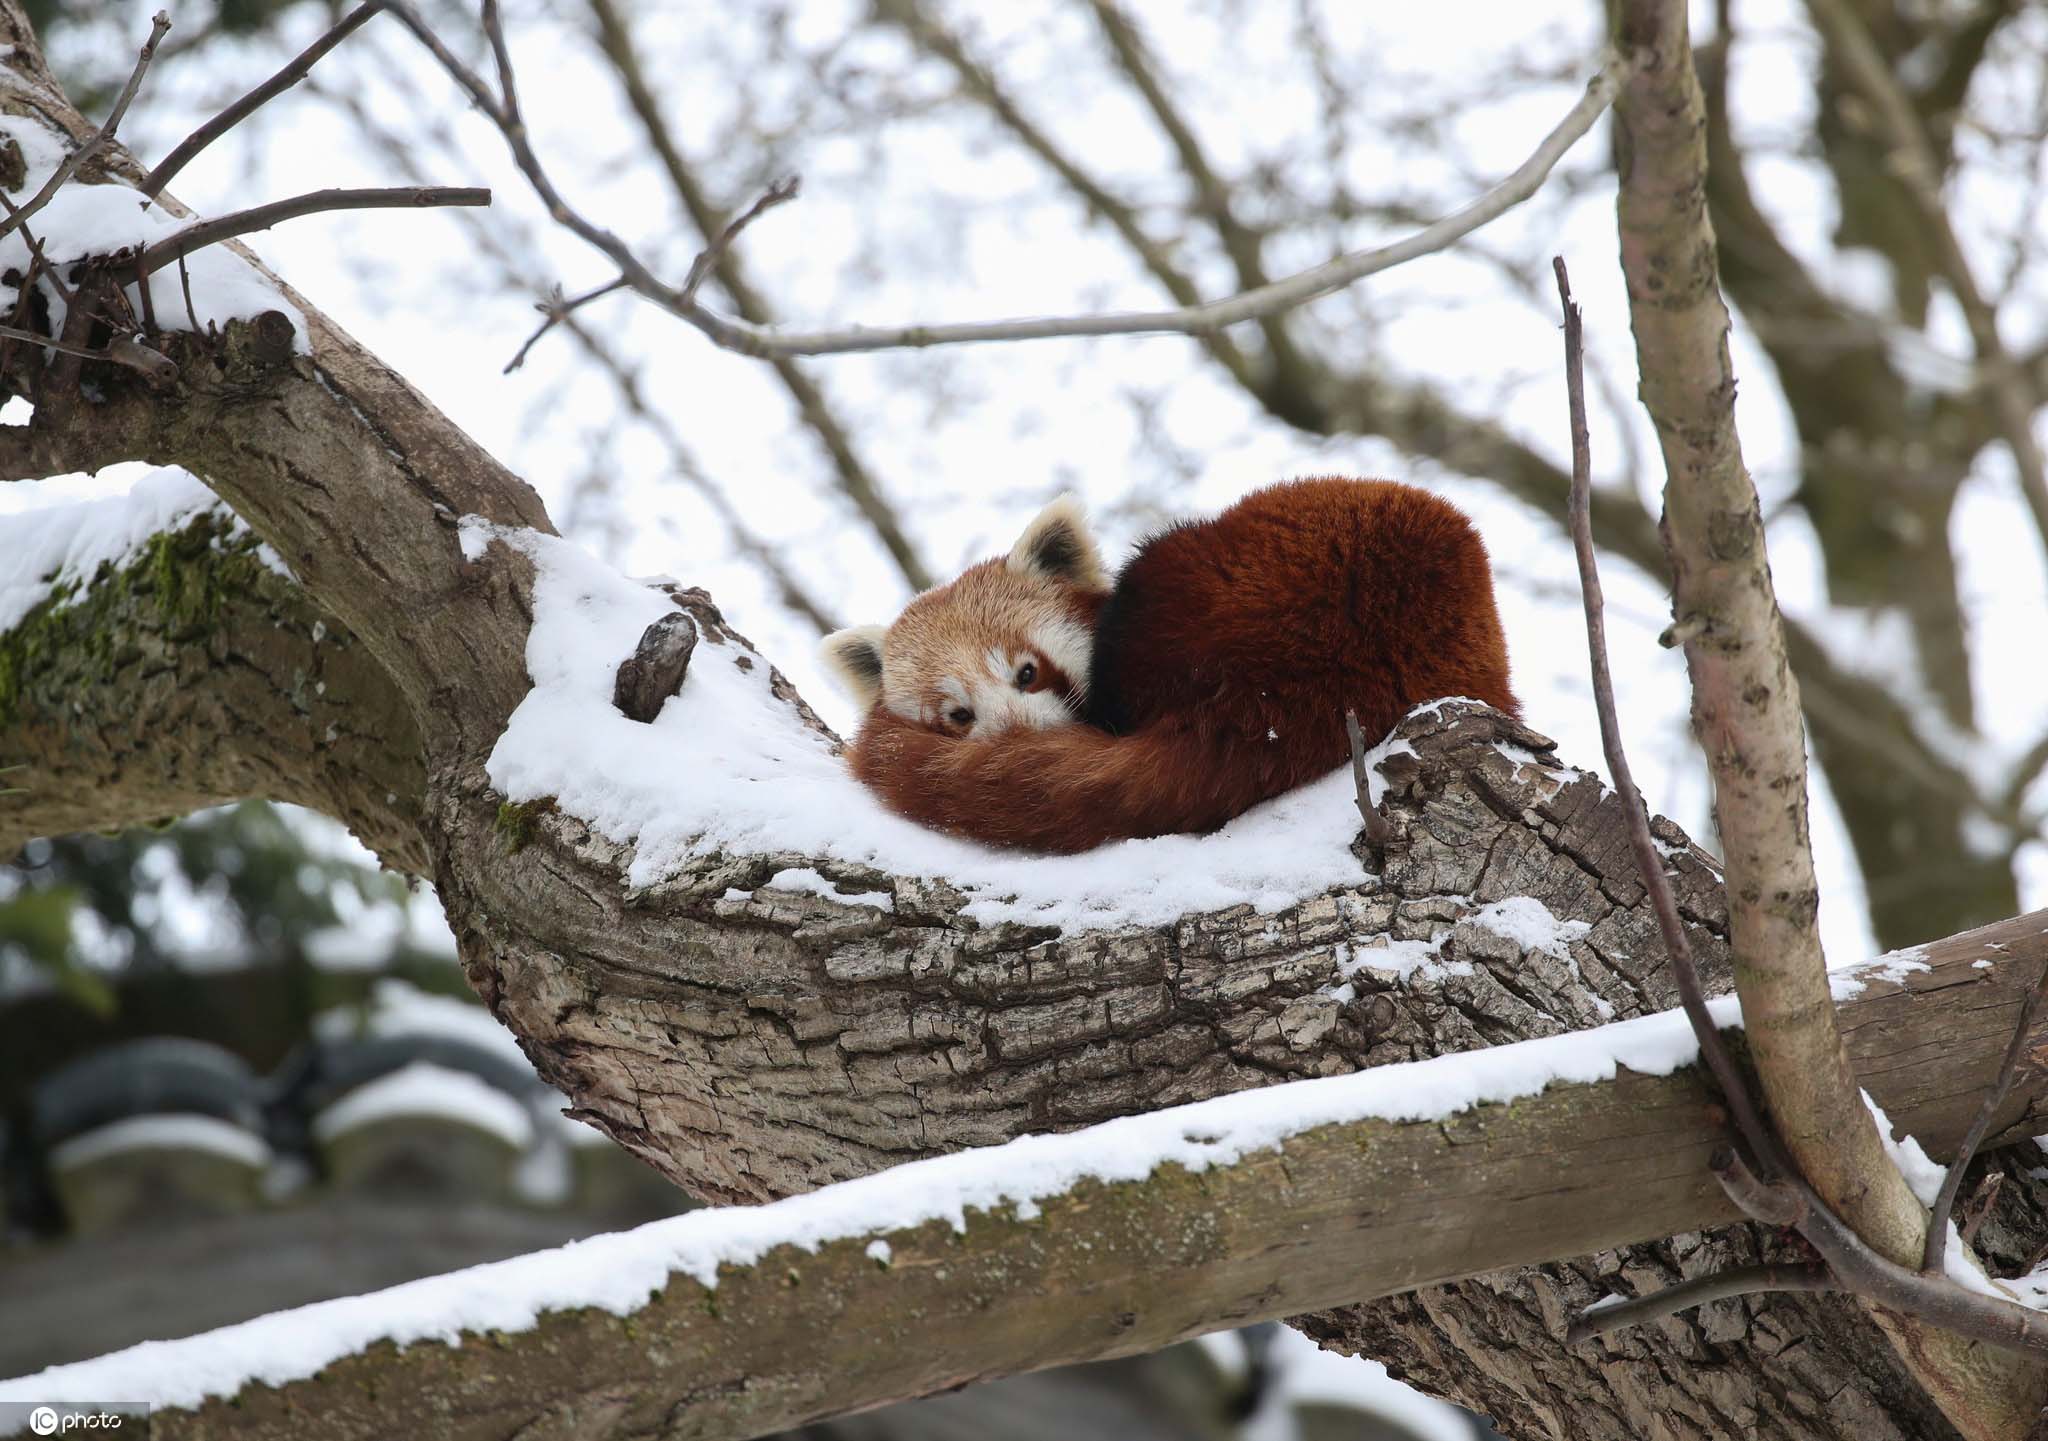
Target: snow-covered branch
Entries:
(1119, 1238)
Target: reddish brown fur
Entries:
(1225, 660)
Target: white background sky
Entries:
(930, 218)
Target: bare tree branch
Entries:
(1747, 714)
(99, 138)
(860, 487)
(747, 338)
(1721, 1286)
(1649, 863)
(175, 247)
(167, 169)
(1295, 290)
(1936, 1300)
(980, 84)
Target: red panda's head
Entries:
(1008, 644)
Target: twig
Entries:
(1935, 1300)
(123, 350)
(558, 309)
(153, 183)
(1598, 1320)
(177, 246)
(708, 259)
(99, 137)
(35, 250)
(769, 341)
(1296, 290)
(1931, 1259)
(185, 284)
(494, 31)
(1378, 829)
(1648, 862)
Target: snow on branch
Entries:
(1110, 1240)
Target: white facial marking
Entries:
(1069, 645)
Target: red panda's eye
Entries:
(960, 715)
(1026, 674)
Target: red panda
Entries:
(1033, 703)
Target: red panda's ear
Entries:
(854, 656)
(1058, 546)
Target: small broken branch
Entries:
(1598, 1320)
(655, 669)
(122, 350)
(1932, 1260)
(154, 183)
(1378, 830)
(98, 139)
(176, 247)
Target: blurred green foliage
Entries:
(237, 885)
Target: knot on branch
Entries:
(655, 669)
(258, 346)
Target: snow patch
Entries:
(399, 1008)
(1923, 1175)
(1529, 924)
(1847, 981)
(425, 1090)
(808, 881)
(85, 220)
(65, 545)
(174, 1131)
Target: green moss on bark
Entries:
(186, 575)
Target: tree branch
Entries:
(167, 169)
(765, 341)
(97, 141)
(1746, 707)
(1096, 1270)
(980, 85)
(191, 676)
(1602, 1319)
(861, 488)
(175, 247)
(1649, 864)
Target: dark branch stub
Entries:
(655, 669)
(1378, 830)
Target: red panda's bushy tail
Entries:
(1064, 789)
